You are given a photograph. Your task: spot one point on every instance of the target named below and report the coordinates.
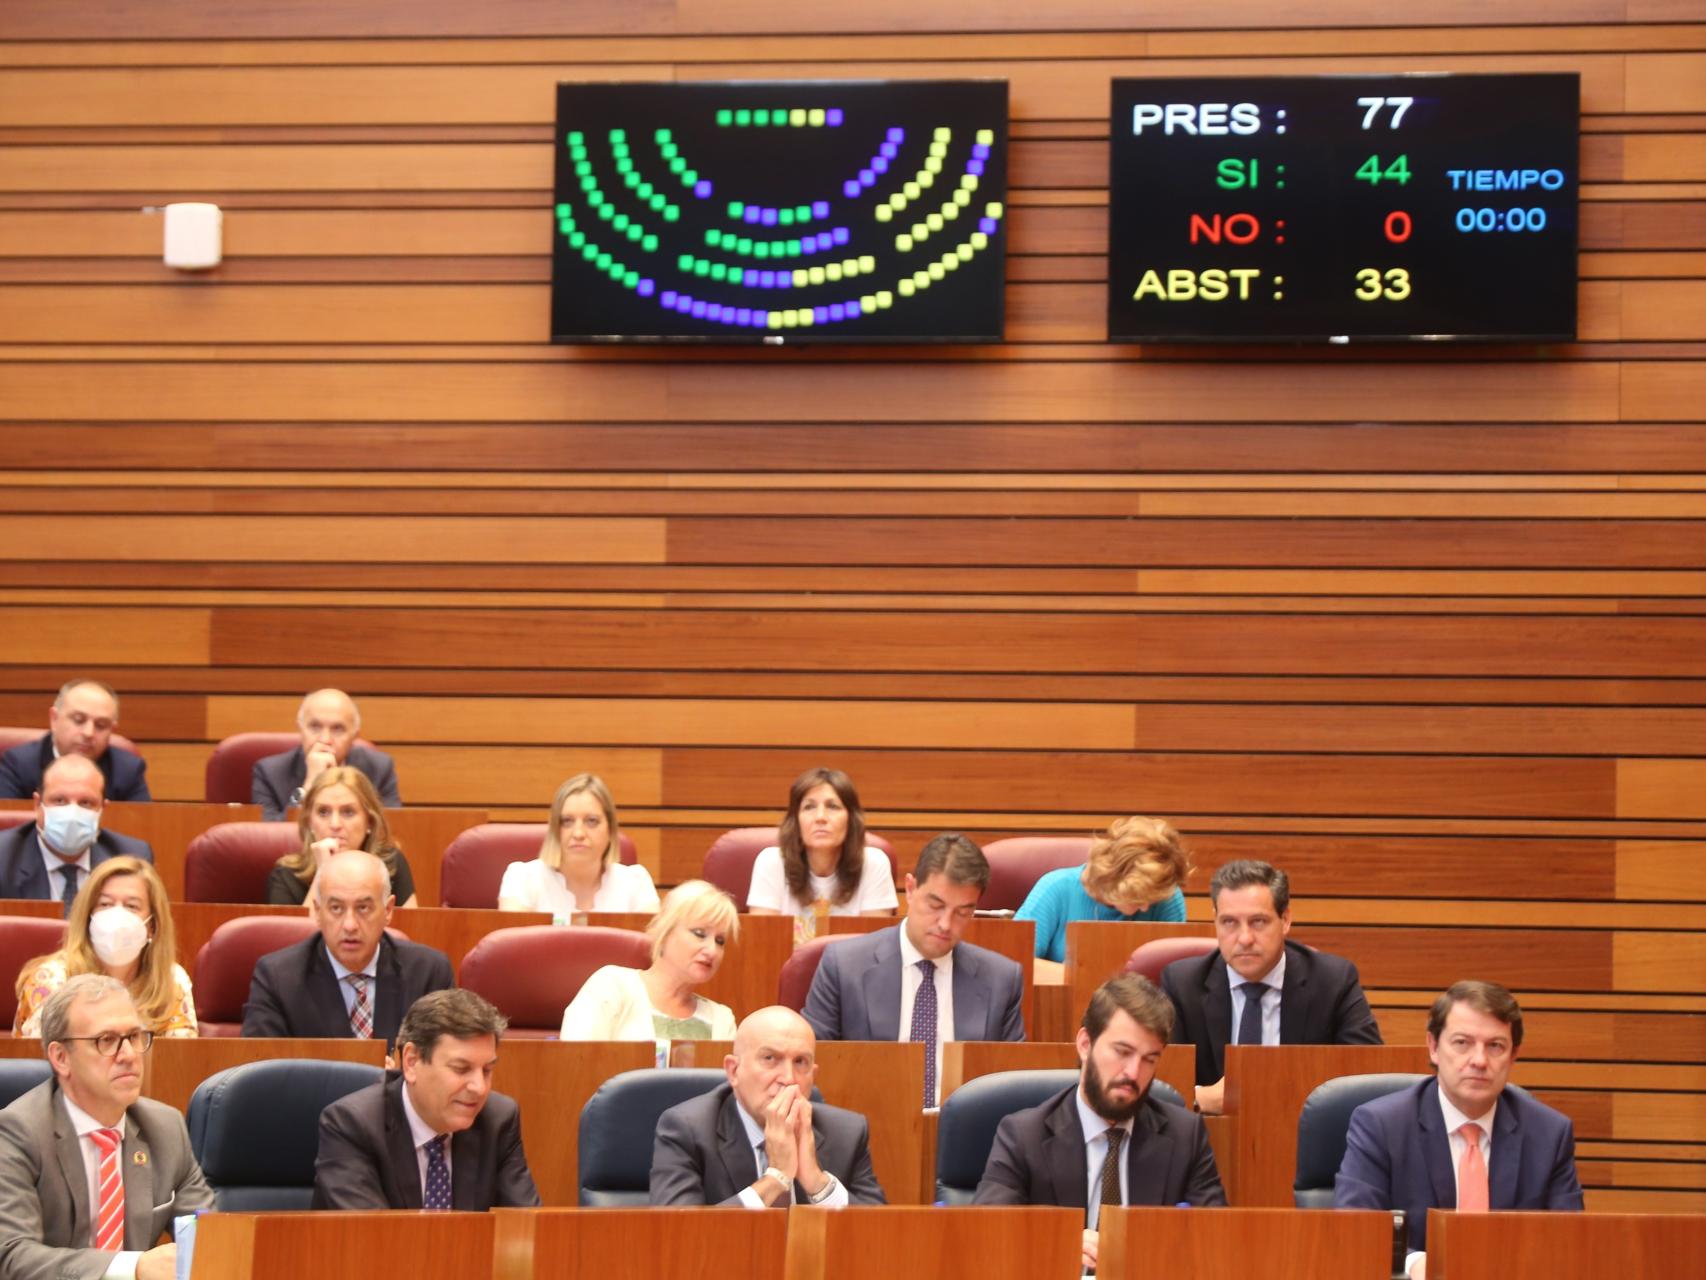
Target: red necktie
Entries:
(1471, 1173)
(109, 1214)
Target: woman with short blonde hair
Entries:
(1136, 870)
(579, 867)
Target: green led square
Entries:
(736, 274)
(719, 271)
(644, 191)
(803, 213)
(618, 135)
(743, 117)
(614, 270)
(607, 212)
(672, 214)
(714, 238)
(583, 169)
(589, 251)
(620, 222)
(630, 179)
(635, 231)
(577, 239)
(619, 150)
(562, 211)
(761, 250)
(793, 248)
(630, 279)
(701, 268)
(677, 165)
(662, 135)
(576, 137)
(689, 177)
(684, 262)
(725, 117)
(785, 217)
(744, 244)
(657, 201)
(761, 117)
(736, 208)
(649, 243)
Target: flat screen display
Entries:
(803, 211)
(1344, 208)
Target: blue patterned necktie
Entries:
(438, 1175)
(924, 1026)
(1250, 1024)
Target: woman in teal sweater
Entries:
(1137, 871)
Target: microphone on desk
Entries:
(1400, 1245)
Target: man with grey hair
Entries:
(433, 1134)
(91, 1173)
(328, 721)
(351, 978)
(79, 723)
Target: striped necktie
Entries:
(109, 1214)
(361, 1012)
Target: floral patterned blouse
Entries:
(49, 976)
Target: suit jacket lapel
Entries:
(466, 1151)
(881, 985)
(1146, 1158)
(1294, 996)
(1063, 1155)
(1507, 1155)
(740, 1160)
(137, 1170)
(971, 997)
(388, 991)
(400, 1150)
(28, 877)
(70, 1152)
(323, 993)
(1436, 1148)
(1217, 1011)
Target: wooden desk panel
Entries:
(343, 1245)
(551, 1080)
(174, 1067)
(1266, 1086)
(638, 1244)
(880, 1243)
(1096, 950)
(751, 967)
(1497, 1246)
(881, 1080)
(1015, 939)
(1292, 1244)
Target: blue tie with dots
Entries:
(438, 1174)
(924, 1026)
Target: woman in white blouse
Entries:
(689, 936)
(821, 865)
(578, 868)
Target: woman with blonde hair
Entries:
(120, 925)
(1137, 870)
(579, 867)
(340, 810)
(689, 935)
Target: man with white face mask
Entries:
(53, 857)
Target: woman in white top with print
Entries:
(578, 868)
(689, 936)
(821, 865)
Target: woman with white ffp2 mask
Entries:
(120, 925)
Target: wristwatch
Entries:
(827, 1190)
(786, 1182)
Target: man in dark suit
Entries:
(1300, 996)
(432, 1135)
(1463, 1140)
(91, 1173)
(52, 857)
(351, 978)
(329, 722)
(1055, 1153)
(80, 722)
(918, 981)
(758, 1140)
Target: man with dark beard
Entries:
(1106, 1132)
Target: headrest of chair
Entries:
(258, 1124)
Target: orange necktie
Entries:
(109, 1213)
(1471, 1173)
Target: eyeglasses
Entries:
(107, 1043)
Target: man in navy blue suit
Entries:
(329, 722)
(1464, 1140)
(80, 722)
(52, 857)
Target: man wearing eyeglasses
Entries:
(350, 979)
(91, 1173)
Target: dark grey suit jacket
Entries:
(22, 874)
(1038, 1158)
(855, 994)
(45, 1217)
(701, 1155)
(367, 1155)
(277, 778)
(1321, 1003)
(1398, 1156)
(295, 993)
(21, 769)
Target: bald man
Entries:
(757, 1140)
(328, 721)
(351, 979)
(53, 857)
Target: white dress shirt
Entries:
(836, 1199)
(1455, 1120)
(123, 1264)
(1274, 979)
(1096, 1155)
(422, 1133)
(911, 978)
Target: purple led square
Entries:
(986, 225)
(974, 166)
(646, 288)
(743, 315)
(685, 304)
(820, 315)
(766, 279)
(842, 235)
(888, 151)
(824, 240)
(784, 279)
(897, 134)
(866, 177)
(832, 117)
(668, 298)
(853, 310)
(702, 188)
(700, 309)
(980, 151)
(879, 165)
(714, 311)
(751, 214)
(850, 189)
(768, 217)
(837, 312)
(760, 319)
(820, 208)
